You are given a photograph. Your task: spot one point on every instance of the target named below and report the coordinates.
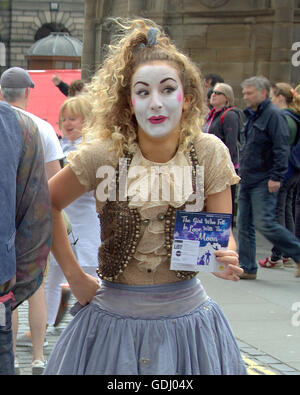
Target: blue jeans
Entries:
(284, 209)
(257, 210)
(6, 340)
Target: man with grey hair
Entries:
(263, 163)
(15, 84)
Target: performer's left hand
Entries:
(230, 259)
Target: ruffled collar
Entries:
(152, 184)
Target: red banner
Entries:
(45, 98)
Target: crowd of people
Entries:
(262, 142)
(147, 104)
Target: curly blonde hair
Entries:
(111, 86)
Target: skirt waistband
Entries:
(150, 302)
(155, 288)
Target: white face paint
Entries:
(157, 99)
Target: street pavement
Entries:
(263, 313)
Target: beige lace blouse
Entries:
(151, 187)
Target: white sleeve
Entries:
(51, 145)
(53, 150)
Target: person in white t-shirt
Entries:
(51, 145)
(81, 212)
(15, 89)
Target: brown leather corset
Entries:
(120, 231)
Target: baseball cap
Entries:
(16, 77)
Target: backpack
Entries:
(242, 122)
(295, 149)
(297, 120)
(240, 114)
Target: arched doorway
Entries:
(49, 28)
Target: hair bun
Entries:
(151, 37)
(150, 40)
(294, 93)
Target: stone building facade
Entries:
(22, 22)
(234, 38)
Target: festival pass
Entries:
(196, 237)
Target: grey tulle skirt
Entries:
(148, 330)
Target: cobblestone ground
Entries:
(24, 354)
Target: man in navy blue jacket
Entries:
(263, 163)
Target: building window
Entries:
(68, 65)
(59, 65)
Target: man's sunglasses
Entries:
(218, 93)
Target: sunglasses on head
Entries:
(218, 93)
